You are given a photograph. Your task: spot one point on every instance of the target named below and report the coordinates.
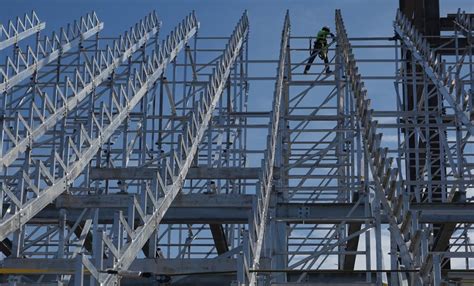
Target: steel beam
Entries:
(444, 213)
(219, 237)
(157, 266)
(181, 201)
(234, 208)
(146, 173)
(348, 283)
(6, 247)
(352, 246)
(348, 262)
(332, 277)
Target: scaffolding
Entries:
(137, 160)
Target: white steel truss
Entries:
(132, 160)
(24, 27)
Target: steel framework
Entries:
(137, 161)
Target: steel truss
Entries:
(131, 160)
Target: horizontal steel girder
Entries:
(235, 208)
(156, 266)
(144, 173)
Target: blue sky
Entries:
(218, 17)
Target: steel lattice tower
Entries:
(131, 160)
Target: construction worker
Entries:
(320, 48)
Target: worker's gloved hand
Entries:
(395, 37)
(332, 35)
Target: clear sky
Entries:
(218, 17)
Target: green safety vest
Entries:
(322, 35)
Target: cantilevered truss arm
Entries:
(182, 158)
(431, 65)
(74, 164)
(24, 27)
(384, 176)
(265, 190)
(465, 22)
(101, 68)
(49, 49)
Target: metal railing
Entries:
(432, 66)
(79, 152)
(22, 28)
(27, 131)
(24, 64)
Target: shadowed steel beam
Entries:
(431, 65)
(266, 183)
(208, 103)
(352, 244)
(445, 232)
(156, 266)
(53, 47)
(154, 69)
(235, 208)
(14, 33)
(218, 235)
(6, 247)
(181, 201)
(145, 29)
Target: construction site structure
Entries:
(135, 159)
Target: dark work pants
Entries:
(317, 49)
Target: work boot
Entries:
(305, 72)
(328, 71)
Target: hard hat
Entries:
(326, 28)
